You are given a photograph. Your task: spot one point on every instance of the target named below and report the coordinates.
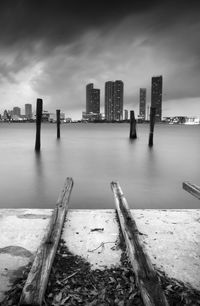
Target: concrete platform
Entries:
(171, 238)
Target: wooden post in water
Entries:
(38, 123)
(152, 122)
(133, 134)
(58, 122)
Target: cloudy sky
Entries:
(52, 49)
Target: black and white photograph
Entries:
(99, 152)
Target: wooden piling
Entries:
(58, 122)
(147, 279)
(38, 123)
(133, 134)
(152, 122)
(192, 188)
(37, 280)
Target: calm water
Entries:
(94, 155)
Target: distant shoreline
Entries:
(96, 122)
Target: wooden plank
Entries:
(192, 188)
(35, 286)
(146, 277)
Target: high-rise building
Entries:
(125, 114)
(16, 111)
(92, 99)
(156, 96)
(96, 101)
(142, 109)
(89, 88)
(28, 111)
(109, 101)
(114, 93)
(119, 94)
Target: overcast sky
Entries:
(52, 49)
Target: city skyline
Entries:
(58, 47)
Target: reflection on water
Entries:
(94, 155)
(38, 163)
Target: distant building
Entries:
(192, 120)
(148, 112)
(62, 117)
(45, 116)
(125, 114)
(28, 111)
(114, 98)
(10, 114)
(68, 120)
(52, 117)
(119, 99)
(89, 88)
(109, 101)
(182, 120)
(156, 96)
(175, 119)
(16, 111)
(92, 99)
(5, 115)
(142, 105)
(91, 116)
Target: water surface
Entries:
(94, 155)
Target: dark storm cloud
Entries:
(55, 47)
(25, 23)
(32, 29)
(59, 22)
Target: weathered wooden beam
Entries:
(147, 279)
(133, 134)
(192, 188)
(152, 122)
(36, 283)
(58, 122)
(39, 107)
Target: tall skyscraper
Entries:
(28, 111)
(92, 99)
(96, 101)
(156, 96)
(109, 101)
(118, 96)
(114, 93)
(142, 109)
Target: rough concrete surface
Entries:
(93, 235)
(171, 238)
(21, 234)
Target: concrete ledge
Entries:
(171, 237)
(172, 240)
